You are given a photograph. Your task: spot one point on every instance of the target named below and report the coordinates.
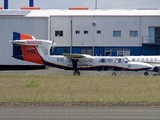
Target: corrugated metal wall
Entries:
(61, 24)
(147, 22)
(106, 25)
(37, 27)
(104, 40)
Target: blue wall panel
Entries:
(61, 50)
(100, 51)
(76, 50)
(135, 51)
(151, 50)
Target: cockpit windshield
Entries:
(126, 60)
(122, 60)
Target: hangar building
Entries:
(95, 32)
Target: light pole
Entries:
(95, 4)
(94, 30)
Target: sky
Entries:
(101, 4)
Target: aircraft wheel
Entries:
(114, 74)
(76, 73)
(146, 73)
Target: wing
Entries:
(80, 57)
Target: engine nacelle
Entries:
(86, 58)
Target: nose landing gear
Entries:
(146, 73)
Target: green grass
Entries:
(103, 89)
(31, 84)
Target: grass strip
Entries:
(79, 89)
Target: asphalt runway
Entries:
(80, 113)
(60, 72)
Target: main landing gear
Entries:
(76, 71)
(114, 74)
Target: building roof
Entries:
(95, 13)
(61, 12)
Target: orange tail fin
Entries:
(26, 53)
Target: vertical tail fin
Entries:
(26, 53)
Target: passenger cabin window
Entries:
(102, 60)
(151, 59)
(155, 59)
(146, 59)
(109, 60)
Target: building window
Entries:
(108, 52)
(58, 33)
(116, 33)
(87, 51)
(98, 31)
(65, 50)
(77, 32)
(85, 31)
(133, 33)
(120, 53)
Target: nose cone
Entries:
(141, 66)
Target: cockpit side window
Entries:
(119, 61)
(126, 61)
(60, 59)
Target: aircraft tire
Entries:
(146, 73)
(76, 73)
(114, 74)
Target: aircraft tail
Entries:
(23, 52)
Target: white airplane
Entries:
(153, 60)
(27, 48)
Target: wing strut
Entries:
(76, 71)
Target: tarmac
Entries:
(60, 72)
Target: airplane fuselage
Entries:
(153, 60)
(98, 63)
